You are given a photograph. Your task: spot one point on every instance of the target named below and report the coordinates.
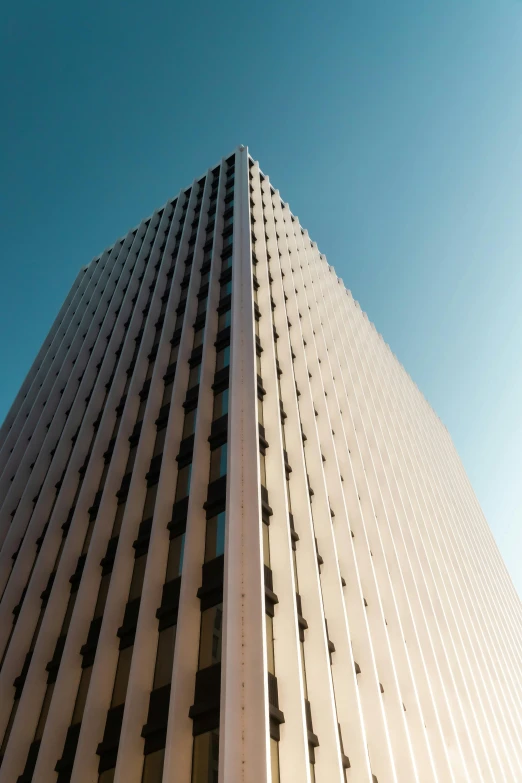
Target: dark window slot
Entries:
(144, 393)
(271, 598)
(263, 443)
(153, 473)
(108, 747)
(195, 356)
(179, 512)
(163, 416)
(221, 379)
(218, 432)
(30, 764)
(65, 764)
(205, 710)
(154, 731)
(275, 714)
(141, 544)
(186, 449)
(167, 614)
(303, 625)
(223, 338)
(20, 680)
(224, 303)
(191, 400)
(127, 631)
(54, 664)
(266, 509)
(107, 560)
(49, 586)
(211, 591)
(216, 497)
(88, 650)
(93, 510)
(312, 738)
(135, 434)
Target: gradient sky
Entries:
(393, 129)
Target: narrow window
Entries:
(274, 760)
(215, 537)
(150, 502)
(226, 289)
(81, 696)
(153, 766)
(262, 467)
(141, 410)
(138, 574)
(189, 423)
(194, 376)
(198, 337)
(174, 351)
(183, 485)
(159, 443)
(122, 676)
(210, 638)
(223, 358)
(102, 595)
(118, 519)
(270, 642)
(266, 546)
(164, 657)
(224, 320)
(167, 393)
(45, 709)
(218, 462)
(175, 557)
(131, 459)
(220, 404)
(205, 760)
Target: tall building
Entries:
(236, 544)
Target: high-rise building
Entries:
(236, 544)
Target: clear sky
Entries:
(393, 129)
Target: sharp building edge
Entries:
(236, 543)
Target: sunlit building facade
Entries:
(236, 544)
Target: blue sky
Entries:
(393, 129)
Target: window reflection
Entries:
(150, 501)
(220, 404)
(210, 639)
(164, 657)
(175, 558)
(122, 676)
(81, 697)
(270, 643)
(274, 760)
(153, 767)
(224, 320)
(218, 462)
(189, 423)
(183, 485)
(223, 358)
(138, 574)
(194, 376)
(215, 537)
(206, 758)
